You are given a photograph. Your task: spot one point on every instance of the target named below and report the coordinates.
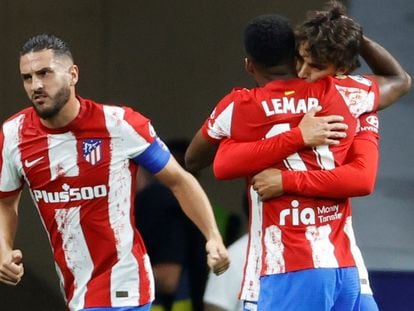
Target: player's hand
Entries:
(268, 183)
(11, 267)
(327, 130)
(217, 256)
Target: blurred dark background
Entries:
(172, 61)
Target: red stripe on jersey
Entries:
(345, 258)
(94, 219)
(60, 259)
(139, 249)
(34, 153)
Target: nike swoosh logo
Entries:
(31, 163)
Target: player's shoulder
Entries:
(358, 81)
(18, 117)
(240, 94)
(23, 112)
(237, 97)
(111, 110)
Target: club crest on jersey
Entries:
(91, 149)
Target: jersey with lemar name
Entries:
(292, 233)
(82, 181)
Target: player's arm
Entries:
(157, 160)
(239, 159)
(196, 206)
(355, 178)
(200, 153)
(393, 81)
(11, 266)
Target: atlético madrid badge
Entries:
(91, 149)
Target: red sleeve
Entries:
(218, 124)
(374, 90)
(141, 124)
(355, 178)
(240, 159)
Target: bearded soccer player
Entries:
(79, 160)
(303, 248)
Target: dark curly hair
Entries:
(269, 40)
(331, 37)
(46, 42)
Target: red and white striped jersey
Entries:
(82, 181)
(293, 233)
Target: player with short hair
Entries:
(233, 108)
(79, 159)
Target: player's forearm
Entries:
(196, 206)
(8, 224)
(384, 65)
(380, 61)
(357, 178)
(240, 159)
(200, 153)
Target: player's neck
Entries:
(264, 79)
(66, 115)
(282, 72)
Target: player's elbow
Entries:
(408, 81)
(366, 185)
(194, 163)
(191, 164)
(220, 172)
(405, 82)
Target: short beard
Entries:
(59, 100)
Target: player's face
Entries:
(309, 70)
(47, 81)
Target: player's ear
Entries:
(342, 71)
(248, 65)
(74, 74)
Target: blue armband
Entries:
(154, 158)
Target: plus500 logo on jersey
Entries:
(71, 194)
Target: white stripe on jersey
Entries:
(359, 261)
(293, 162)
(63, 155)
(222, 123)
(323, 251)
(253, 266)
(78, 258)
(131, 143)
(275, 262)
(124, 276)
(324, 157)
(357, 99)
(9, 180)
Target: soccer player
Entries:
(278, 232)
(363, 157)
(337, 183)
(79, 160)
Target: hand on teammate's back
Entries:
(327, 130)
